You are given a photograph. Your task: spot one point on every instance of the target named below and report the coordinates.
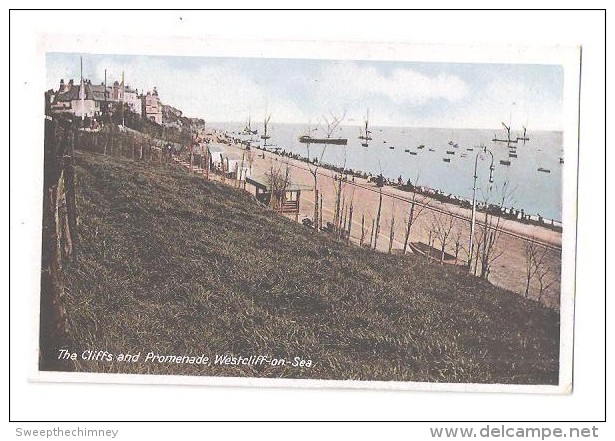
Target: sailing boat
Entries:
(508, 141)
(248, 129)
(365, 136)
(265, 136)
(525, 138)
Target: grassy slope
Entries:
(176, 265)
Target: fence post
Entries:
(69, 185)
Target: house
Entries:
(128, 95)
(91, 99)
(151, 107)
(72, 98)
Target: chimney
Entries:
(62, 86)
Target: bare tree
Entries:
(313, 166)
(543, 273)
(339, 214)
(457, 238)
(531, 267)
(362, 230)
(377, 230)
(416, 210)
(314, 162)
(491, 231)
(537, 267)
(442, 226)
(320, 213)
(371, 236)
(350, 211)
(279, 178)
(332, 122)
(392, 231)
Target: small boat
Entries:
(561, 160)
(364, 144)
(450, 152)
(456, 145)
(470, 149)
(463, 155)
(413, 153)
(384, 142)
(432, 150)
(421, 147)
(544, 170)
(512, 155)
(446, 159)
(407, 150)
(504, 162)
(450, 143)
(391, 147)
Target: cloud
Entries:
(213, 92)
(520, 103)
(401, 86)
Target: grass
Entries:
(173, 264)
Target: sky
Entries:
(411, 94)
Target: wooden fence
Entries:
(60, 241)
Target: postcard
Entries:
(308, 214)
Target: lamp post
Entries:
(483, 149)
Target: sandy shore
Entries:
(507, 271)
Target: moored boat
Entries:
(306, 139)
(366, 135)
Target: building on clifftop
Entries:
(151, 106)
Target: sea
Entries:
(395, 152)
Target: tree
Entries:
(457, 238)
(392, 230)
(377, 230)
(544, 271)
(442, 226)
(491, 230)
(416, 210)
(350, 211)
(313, 166)
(314, 162)
(537, 267)
(362, 240)
(279, 178)
(531, 267)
